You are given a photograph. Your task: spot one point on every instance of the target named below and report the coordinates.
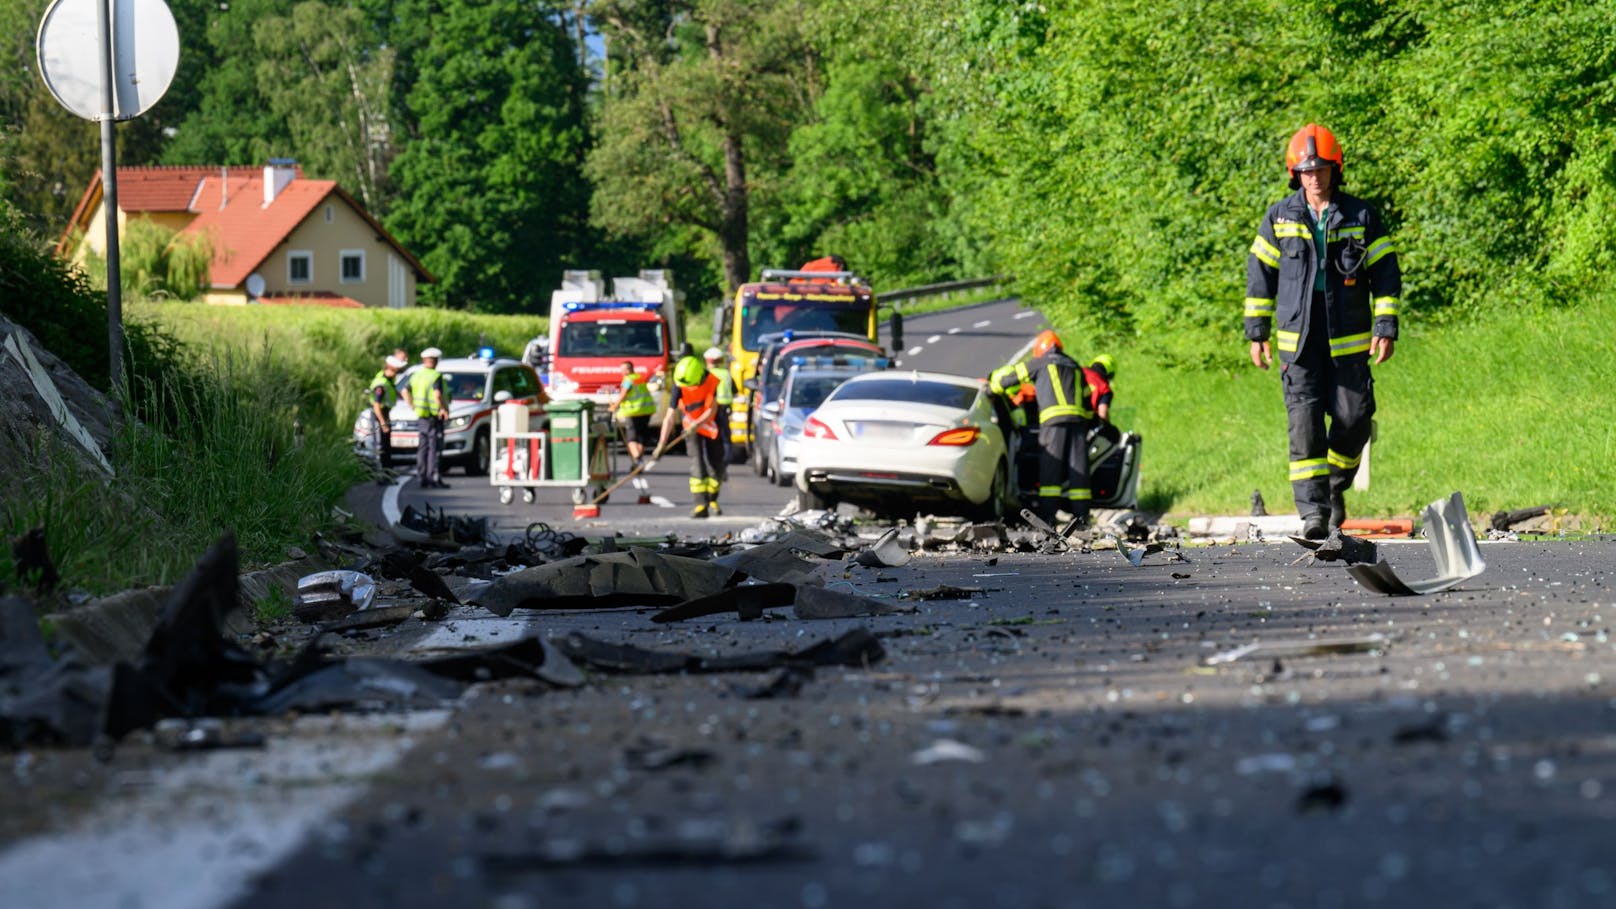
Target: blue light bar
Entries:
(580, 306)
(487, 353)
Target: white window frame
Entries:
(342, 260)
(294, 255)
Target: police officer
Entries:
(1322, 282)
(426, 392)
(726, 392)
(383, 395)
(1064, 414)
(696, 406)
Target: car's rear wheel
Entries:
(993, 509)
(481, 454)
(775, 474)
(759, 467)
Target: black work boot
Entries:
(1338, 510)
(1313, 527)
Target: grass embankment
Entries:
(332, 354)
(1513, 411)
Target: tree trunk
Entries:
(732, 226)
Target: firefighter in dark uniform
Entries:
(696, 406)
(1064, 414)
(1323, 276)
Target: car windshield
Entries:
(759, 318)
(611, 339)
(812, 392)
(911, 391)
(466, 386)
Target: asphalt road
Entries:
(1062, 735)
(970, 341)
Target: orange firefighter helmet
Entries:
(1045, 342)
(1313, 147)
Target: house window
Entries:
(353, 266)
(330, 214)
(300, 267)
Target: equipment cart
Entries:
(572, 452)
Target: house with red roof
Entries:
(277, 236)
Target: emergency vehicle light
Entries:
(487, 353)
(580, 305)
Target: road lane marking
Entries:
(982, 324)
(913, 351)
(390, 509)
(934, 339)
(197, 835)
(955, 330)
(1027, 314)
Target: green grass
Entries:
(1513, 412)
(332, 354)
(216, 451)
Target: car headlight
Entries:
(365, 423)
(460, 422)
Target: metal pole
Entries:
(109, 201)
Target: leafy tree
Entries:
(332, 88)
(700, 100)
(231, 122)
(491, 184)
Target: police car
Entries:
(476, 386)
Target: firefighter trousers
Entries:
(707, 469)
(1324, 460)
(1063, 468)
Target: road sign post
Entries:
(88, 60)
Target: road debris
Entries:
(945, 751)
(944, 592)
(328, 595)
(1338, 547)
(885, 553)
(1260, 650)
(822, 603)
(1453, 548)
(748, 601)
(1136, 555)
(637, 577)
(857, 647)
(693, 843)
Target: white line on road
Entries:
(390, 509)
(915, 350)
(955, 330)
(982, 324)
(1027, 314)
(661, 502)
(195, 836)
(934, 339)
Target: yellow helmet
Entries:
(690, 371)
(1105, 362)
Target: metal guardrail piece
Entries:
(946, 288)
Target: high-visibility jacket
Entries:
(697, 400)
(1362, 283)
(1015, 383)
(1063, 396)
(389, 391)
(726, 387)
(426, 391)
(637, 400)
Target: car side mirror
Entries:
(500, 397)
(771, 409)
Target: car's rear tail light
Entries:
(816, 429)
(964, 435)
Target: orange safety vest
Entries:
(695, 399)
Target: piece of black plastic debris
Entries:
(1340, 547)
(651, 756)
(814, 602)
(189, 666)
(1258, 507)
(857, 647)
(785, 682)
(45, 701)
(1325, 796)
(636, 577)
(773, 562)
(1433, 731)
(1051, 537)
(529, 656)
(746, 600)
(431, 583)
(31, 557)
(944, 592)
(361, 683)
(991, 709)
(375, 617)
(1504, 520)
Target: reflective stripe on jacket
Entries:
(695, 401)
(1063, 396)
(637, 400)
(1363, 286)
(426, 391)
